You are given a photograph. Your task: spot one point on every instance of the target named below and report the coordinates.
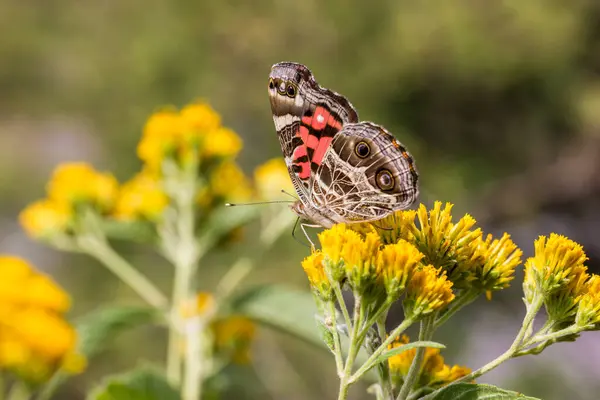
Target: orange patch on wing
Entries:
(321, 149)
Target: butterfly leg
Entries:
(303, 226)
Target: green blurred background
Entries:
(499, 102)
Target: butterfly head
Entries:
(288, 83)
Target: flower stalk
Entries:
(425, 333)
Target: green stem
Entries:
(184, 256)
(555, 335)
(464, 300)
(425, 333)
(375, 318)
(18, 391)
(532, 310)
(337, 290)
(384, 370)
(101, 250)
(50, 387)
(197, 356)
(383, 347)
(355, 344)
(337, 344)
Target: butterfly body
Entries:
(343, 170)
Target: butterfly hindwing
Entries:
(365, 175)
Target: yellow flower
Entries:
(222, 142)
(271, 178)
(22, 286)
(499, 260)
(229, 182)
(314, 269)
(332, 242)
(75, 183)
(395, 266)
(199, 118)
(588, 311)
(45, 218)
(434, 373)
(141, 197)
(445, 244)
(161, 137)
(428, 290)
(360, 257)
(35, 339)
(391, 229)
(201, 305)
(557, 262)
(233, 335)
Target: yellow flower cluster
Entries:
(371, 268)
(556, 274)
(187, 137)
(470, 261)
(142, 197)
(189, 145)
(73, 186)
(434, 372)
(35, 339)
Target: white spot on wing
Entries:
(320, 118)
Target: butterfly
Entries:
(343, 170)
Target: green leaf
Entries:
(141, 384)
(282, 308)
(469, 391)
(408, 346)
(222, 221)
(135, 231)
(99, 327)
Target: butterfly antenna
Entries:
(258, 203)
(289, 194)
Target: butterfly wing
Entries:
(365, 175)
(307, 118)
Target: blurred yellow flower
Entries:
(315, 271)
(201, 305)
(45, 218)
(395, 266)
(428, 290)
(161, 137)
(186, 137)
(434, 373)
(222, 142)
(199, 118)
(229, 182)
(22, 286)
(271, 178)
(141, 197)
(35, 339)
(75, 183)
(557, 262)
(233, 336)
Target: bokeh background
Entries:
(498, 101)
